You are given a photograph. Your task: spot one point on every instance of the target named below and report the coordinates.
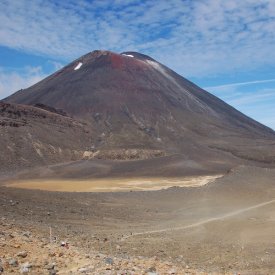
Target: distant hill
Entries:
(34, 137)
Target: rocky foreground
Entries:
(26, 252)
(226, 227)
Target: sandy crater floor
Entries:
(113, 185)
(223, 227)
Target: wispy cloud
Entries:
(258, 97)
(56, 65)
(257, 103)
(240, 84)
(196, 38)
(16, 80)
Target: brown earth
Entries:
(33, 137)
(40, 255)
(224, 227)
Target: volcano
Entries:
(136, 108)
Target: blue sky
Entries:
(226, 47)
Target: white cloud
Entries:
(56, 65)
(196, 38)
(13, 81)
(239, 84)
(257, 103)
(261, 96)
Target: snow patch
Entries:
(128, 55)
(158, 67)
(162, 70)
(78, 66)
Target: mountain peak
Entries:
(132, 101)
(112, 57)
(116, 60)
(138, 55)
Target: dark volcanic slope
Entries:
(33, 137)
(132, 101)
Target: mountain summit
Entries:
(132, 102)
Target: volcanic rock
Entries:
(127, 106)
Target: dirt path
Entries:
(228, 215)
